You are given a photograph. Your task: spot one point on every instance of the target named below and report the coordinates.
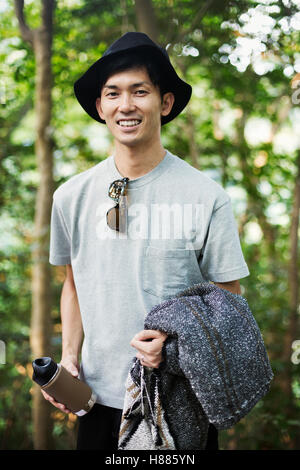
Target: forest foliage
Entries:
(241, 128)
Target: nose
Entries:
(126, 103)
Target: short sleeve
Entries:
(60, 243)
(221, 257)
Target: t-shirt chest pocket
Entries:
(167, 271)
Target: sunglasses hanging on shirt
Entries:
(116, 217)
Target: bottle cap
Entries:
(44, 369)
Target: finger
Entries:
(70, 367)
(140, 357)
(145, 344)
(156, 334)
(65, 409)
(149, 340)
(74, 372)
(61, 407)
(46, 396)
(143, 360)
(49, 398)
(143, 336)
(147, 334)
(151, 348)
(53, 402)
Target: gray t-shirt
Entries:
(180, 231)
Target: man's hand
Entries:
(149, 345)
(71, 364)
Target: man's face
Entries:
(132, 107)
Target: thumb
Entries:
(71, 368)
(74, 371)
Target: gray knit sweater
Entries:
(215, 370)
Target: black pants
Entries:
(99, 430)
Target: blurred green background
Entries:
(241, 128)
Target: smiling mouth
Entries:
(129, 122)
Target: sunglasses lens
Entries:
(112, 218)
(116, 218)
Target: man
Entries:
(171, 227)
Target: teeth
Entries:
(129, 123)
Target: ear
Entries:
(167, 103)
(99, 108)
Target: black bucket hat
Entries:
(87, 87)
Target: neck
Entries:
(135, 162)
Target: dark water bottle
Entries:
(54, 379)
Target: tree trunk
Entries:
(41, 276)
(146, 20)
(40, 334)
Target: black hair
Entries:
(135, 60)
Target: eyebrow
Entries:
(134, 85)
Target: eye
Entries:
(112, 94)
(141, 92)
